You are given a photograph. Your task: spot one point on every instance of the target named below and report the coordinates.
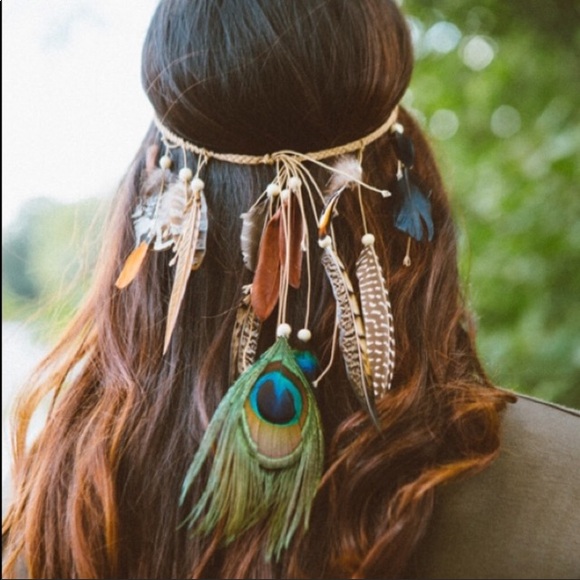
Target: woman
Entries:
(193, 433)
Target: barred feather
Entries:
(245, 336)
(378, 319)
(266, 450)
(352, 338)
(184, 255)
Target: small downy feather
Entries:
(415, 211)
(184, 256)
(266, 450)
(352, 338)
(252, 227)
(378, 319)
(346, 171)
(266, 286)
(245, 336)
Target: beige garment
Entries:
(521, 517)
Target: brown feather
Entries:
(294, 225)
(132, 265)
(266, 286)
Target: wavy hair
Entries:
(96, 493)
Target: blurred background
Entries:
(496, 86)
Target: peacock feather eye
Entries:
(275, 411)
(276, 398)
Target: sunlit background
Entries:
(496, 88)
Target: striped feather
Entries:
(184, 255)
(352, 339)
(245, 336)
(378, 319)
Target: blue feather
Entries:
(415, 212)
(308, 363)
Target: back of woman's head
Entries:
(258, 76)
(98, 492)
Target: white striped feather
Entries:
(378, 319)
(352, 339)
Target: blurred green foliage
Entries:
(48, 255)
(506, 76)
(497, 87)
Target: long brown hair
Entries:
(97, 492)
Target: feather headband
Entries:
(265, 441)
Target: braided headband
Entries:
(265, 440)
(271, 158)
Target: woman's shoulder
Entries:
(519, 518)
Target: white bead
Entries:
(273, 190)
(284, 330)
(398, 128)
(186, 174)
(325, 242)
(165, 162)
(294, 183)
(285, 194)
(368, 240)
(304, 335)
(406, 261)
(197, 184)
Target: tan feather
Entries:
(378, 319)
(245, 336)
(183, 259)
(266, 286)
(132, 265)
(327, 211)
(252, 229)
(352, 338)
(201, 244)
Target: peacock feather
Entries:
(266, 450)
